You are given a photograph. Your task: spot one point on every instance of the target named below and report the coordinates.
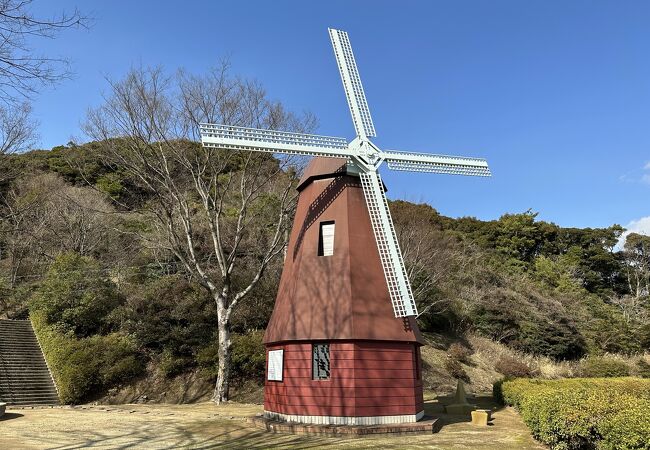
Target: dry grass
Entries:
(486, 353)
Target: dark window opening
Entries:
(326, 239)
(418, 362)
(320, 361)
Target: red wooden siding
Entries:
(367, 378)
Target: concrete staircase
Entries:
(24, 376)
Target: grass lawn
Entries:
(206, 425)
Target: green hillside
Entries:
(83, 253)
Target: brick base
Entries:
(342, 420)
(427, 425)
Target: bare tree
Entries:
(17, 133)
(17, 128)
(222, 214)
(637, 260)
(636, 254)
(47, 217)
(434, 259)
(22, 70)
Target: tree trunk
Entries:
(223, 374)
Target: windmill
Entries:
(356, 165)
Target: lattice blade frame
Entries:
(352, 84)
(270, 141)
(397, 280)
(423, 162)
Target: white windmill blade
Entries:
(423, 162)
(352, 84)
(397, 280)
(270, 141)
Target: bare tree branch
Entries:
(209, 204)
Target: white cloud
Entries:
(641, 175)
(639, 226)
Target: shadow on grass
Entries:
(201, 435)
(9, 416)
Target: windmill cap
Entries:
(322, 167)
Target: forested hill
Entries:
(81, 250)
(541, 288)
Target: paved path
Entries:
(207, 426)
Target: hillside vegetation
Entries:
(82, 253)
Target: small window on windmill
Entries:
(320, 361)
(326, 239)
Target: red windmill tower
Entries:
(342, 343)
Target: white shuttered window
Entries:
(326, 244)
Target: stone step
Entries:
(26, 361)
(19, 348)
(10, 343)
(13, 382)
(16, 338)
(24, 381)
(14, 329)
(22, 367)
(17, 334)
(23, 373)
(18, 365)
(24, 376)
(17, 382)
(31, 393)
(23, 399)
(35, 401)
(32, 387)
(35, 391)
(13, 340)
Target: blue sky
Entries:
(555, 94)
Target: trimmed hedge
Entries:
(83, 367)
(583, 413)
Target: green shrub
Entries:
(603, 367)
(584, 413)
(643, 369)
(171, 365)
(111, 184)
(76, 296)
(497, 390)
(208, 360)
(168, 314)
(85, 367)
(248, 356)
